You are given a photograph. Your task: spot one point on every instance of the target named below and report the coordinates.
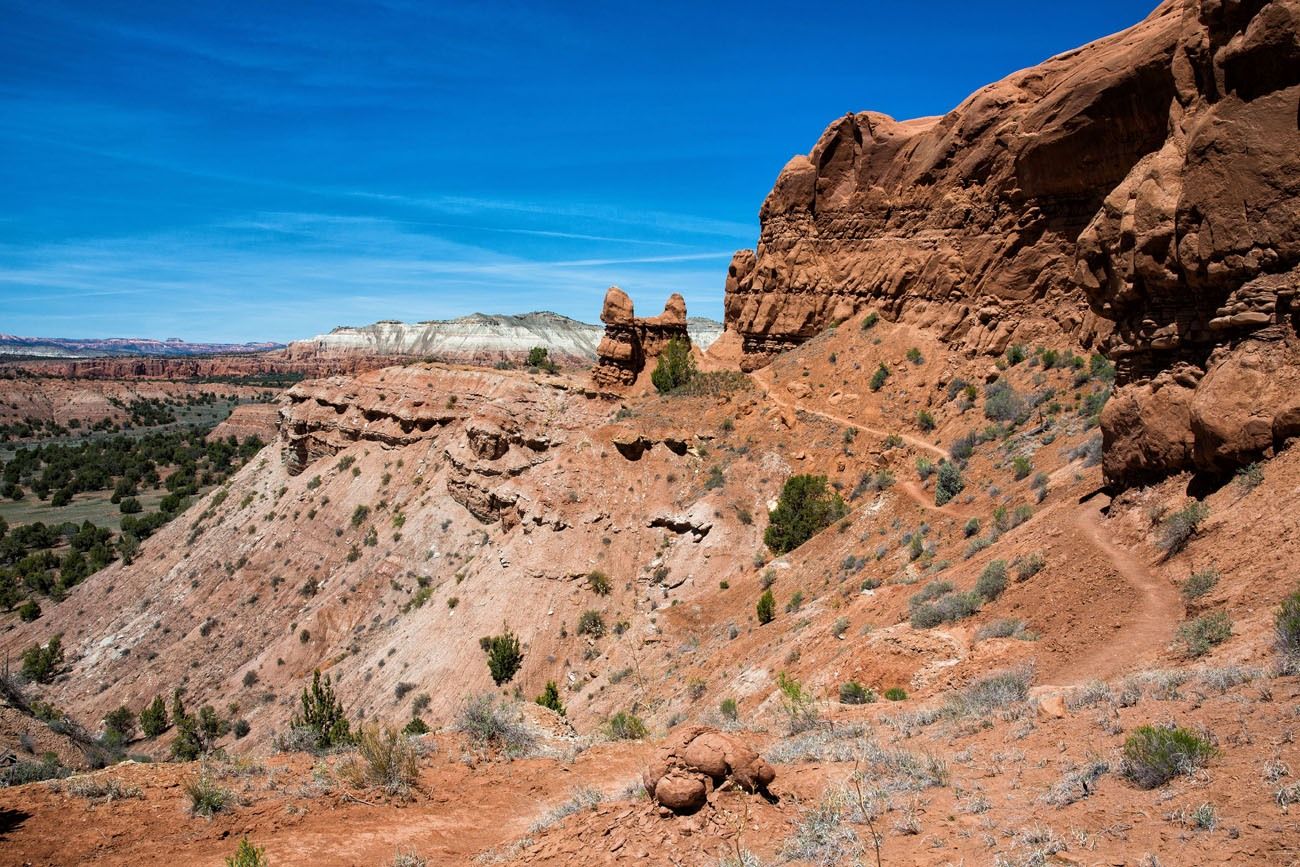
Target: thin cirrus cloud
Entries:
(254, 281)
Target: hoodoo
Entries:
(630, 342)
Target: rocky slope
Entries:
(1163, 160)
(405, 513)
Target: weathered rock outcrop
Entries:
(1150, 180)
(695, 760)
(629, 343)
(966, 222)
(1196, 255)
(486, 446)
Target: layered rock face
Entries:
(1196, 255)
(966, 222)
(629, 342)
(1140, 194)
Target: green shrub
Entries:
(1287, 628)
(1028, 567)
(729, 710)
(949, 483)
(675, 367)
(795, 603)
(591, 623)
(878, 378)
(1154, 755)
(206, 797)
(625, 726)
(992, 581)
(1250, 477)
(537, 356)
(855, 693)
(1179, 528)
(385, 759)
(914, 355)
(869, 322)
(599, 583)
(29, 611)
(42, 663)
(359, 515)
(505, 656)
(20, 773)
(797, 703)
(121, 723)
(895, 693)
(1200, 583)
(807, 505)
(1022, 467)
(924, 421)
(248, 855)
(766, 608)
(1015, 354)
(416, 726)
(971, 528)
(947, 609)
(550, 698)
(1199, 635)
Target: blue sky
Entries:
(250, 170)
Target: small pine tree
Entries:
(188, 743)
(41, 664)
(153, 718)
(766, 607)
(504, 656)
(322, 712)
(248, 855)
(120, 722)
(806, 507)
(676, 366)
(550, 697)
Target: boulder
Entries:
(695, 760)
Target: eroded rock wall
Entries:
(1195, 255)
(966, 222)
(1140, 194)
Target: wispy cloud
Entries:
(243, 278)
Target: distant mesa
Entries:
(118, 347)
(479, 338)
